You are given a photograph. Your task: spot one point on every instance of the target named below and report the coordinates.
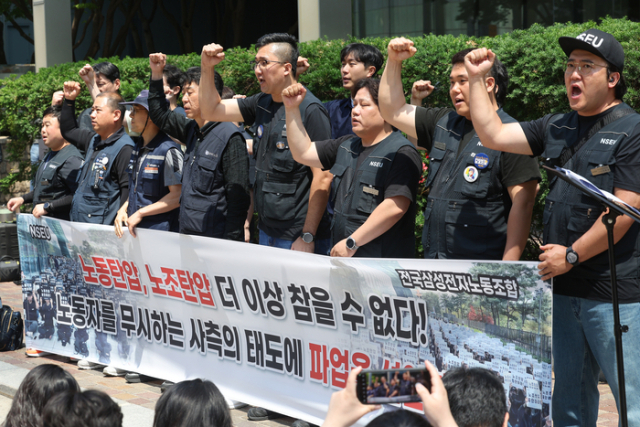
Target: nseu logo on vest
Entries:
(40, 232)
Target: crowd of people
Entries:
(338, 179)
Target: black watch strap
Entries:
(572, 257)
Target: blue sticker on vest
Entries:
(481, 161)
(260, 130)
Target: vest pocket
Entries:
(194, 214)
(479, 188)
(279, 201)
(149, 182)
(581, 219)
(92, 209)
(205, 175)
(368, 196)
(466, 233)
(600, 169)
(282, 159)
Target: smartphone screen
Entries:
(391, 385)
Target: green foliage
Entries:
(533, 57)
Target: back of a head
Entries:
(175, 76)
(227, 93)
(107, 69)
(498, 72)
(53, 110)
(287, 51)
(91, 408)
(192, 403)
(476, 397)
(365, 53)
(113, 101)
(37, 388)
(400, 418)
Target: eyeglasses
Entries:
(583, 68)
(263, 63)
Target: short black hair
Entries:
(498, 72)
(399, 418)
(193, 76)
(621, 87)
(365, 53)
(107, 69)
(372, 85)
(288, 55)
(114, 102)
(476, 397)
(175, 77)
(192, 403)
(53, 110)
(78, 409)
(227, 93)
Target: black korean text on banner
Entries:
(490, 286)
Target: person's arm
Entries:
(121, 219)
(302, 148)
(68, 174)
(88, 75)
(319, 128)
(419, 91)
(170, 122)
(212, 107)
(247, 221)
(120, 172)
(591, 243)
(15, 202)
(169, 202)
(235, 172)
(69, 129)
(393, 106)
(493, 133)
(383, 217)
(519, 222)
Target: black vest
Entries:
(146, 182)
(282, 184)
(203, 202)
(569, 213)
(468, 207)
(359, 190)
(48, 185)
(97, 199)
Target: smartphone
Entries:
(391, 385)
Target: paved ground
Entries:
(138, 400)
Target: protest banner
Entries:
(271, 327)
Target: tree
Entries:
(12, 10)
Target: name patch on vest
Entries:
(375, 164)
(370, 190)
(600, 170)
(606, 141)
(440, 145)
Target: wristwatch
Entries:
(46, 207)
(351, 243)
(572, 257)
(307, 237)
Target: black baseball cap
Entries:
(597, 42)
(141, 99)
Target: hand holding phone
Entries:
(344, 407)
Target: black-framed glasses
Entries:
(263, 63)
(583, 68)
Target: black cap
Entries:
(597, 42)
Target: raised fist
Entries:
(71, 90)
(400, 49)
(293, 95)
(302, 65)
(420, 90)
(87, 74)
(478, 62)
(157, 62)
(57, 98)
(212, 55)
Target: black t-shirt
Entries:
(626, 176)
(515, 168)
(403, 177)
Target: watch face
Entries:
(307, 237)
(572, 257)
(351, 243)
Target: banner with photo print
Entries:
(277, 328)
